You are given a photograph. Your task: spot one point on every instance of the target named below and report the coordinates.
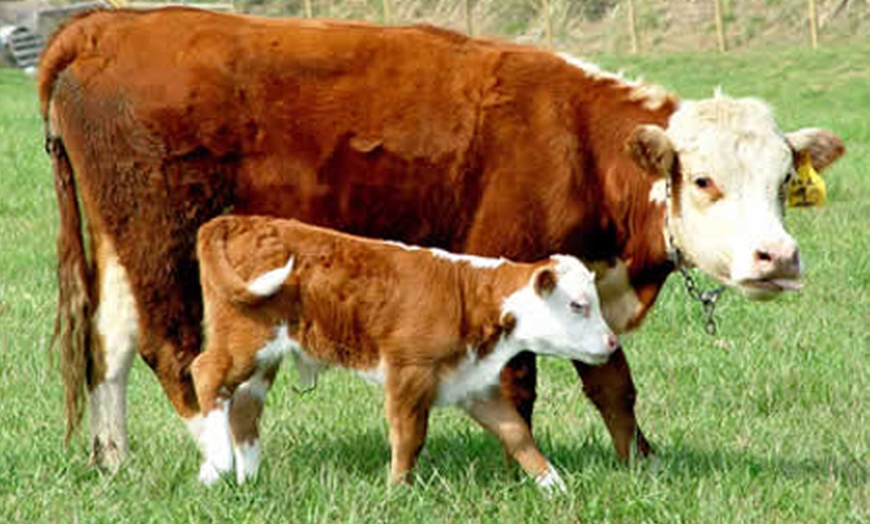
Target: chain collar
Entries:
(709, 297)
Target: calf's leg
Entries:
(611, 390)
(209, 372)
(409, 396)
(246, 407)
(499, 417)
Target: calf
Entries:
(432, 327)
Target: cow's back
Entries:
(345, 125)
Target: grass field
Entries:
(766, 422)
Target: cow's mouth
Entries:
(760, 287)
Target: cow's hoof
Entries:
(107, 455)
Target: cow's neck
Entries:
(631, 256)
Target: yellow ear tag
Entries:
(806, 189)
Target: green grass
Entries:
(766, 422)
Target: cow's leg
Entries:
(117, 326)
(611, 390)
(245, 410)
(518, 382)
(499, 417)
(409, 396)
(209, 371)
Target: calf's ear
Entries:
(823, 146)
(651, 149)
(544, 281)
(507, 323)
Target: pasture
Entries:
(765, 422)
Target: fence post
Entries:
(309, 10)
(720, 27)
(469, 25)
(632, 28)
(548, 23)
(813, 20)
(388, 12)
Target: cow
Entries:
(157, 121)
(434, 328)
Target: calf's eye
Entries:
(703, 182)
(580, 308)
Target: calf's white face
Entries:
(559, 314)
(727, 165)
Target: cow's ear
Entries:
(652, 150)
(544, 281)
(823, 146)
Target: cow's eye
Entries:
(708, 186)
(580, 308)
(788, 176)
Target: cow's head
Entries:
(559, 314)
(727, 166)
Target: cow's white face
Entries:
(559, 314)
(727, 166)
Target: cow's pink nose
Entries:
(778, 260)
(611, 341)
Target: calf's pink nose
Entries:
(611, 341)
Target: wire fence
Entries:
(587, 26)
(619, 26)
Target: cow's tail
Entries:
(78, 34)
(218, 273)
(72, 325)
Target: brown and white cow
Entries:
(432, 327)
(158, 121)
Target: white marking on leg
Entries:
(250, 395)
(117, 323)
(549, 481)
(247, 460)
(270, 282)
(217, 444)
(196, 426)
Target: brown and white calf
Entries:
(432, 327)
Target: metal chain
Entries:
(707, 298)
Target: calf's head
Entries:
(559, 314)
(727, 166)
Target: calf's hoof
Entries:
(550, 482)
(210, 473)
